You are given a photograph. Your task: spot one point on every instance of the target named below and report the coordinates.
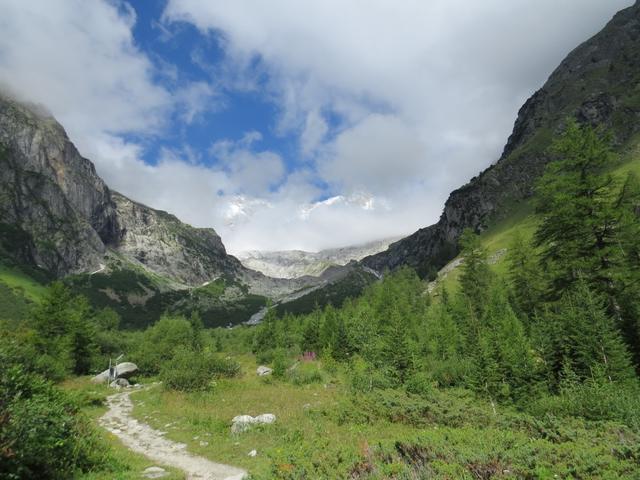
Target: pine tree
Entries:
(265, 338)
(586, 337)
(65, 333)
(329, 328)
(504, 365)
(476, 276)
(311, 332)
(576, 197)
(525, 276)
(196, 324)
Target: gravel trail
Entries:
(141, 438)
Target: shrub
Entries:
(160, 342)
(191, 370)
(42, 435)
(597, 398)
(280, 363)
(306, 373)
(364, 377)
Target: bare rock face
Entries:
(596, 83)
(57, 213)
(55, 210)
(165, 245)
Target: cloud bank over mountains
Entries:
(384, 107)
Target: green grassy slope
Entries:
(523, 220)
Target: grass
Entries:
(17, 280)
(325, 431)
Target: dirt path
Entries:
(141, 438)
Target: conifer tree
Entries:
(525, 276)
(476, 276)
(576, 197)
(583, 337)
(311, 332)
(266, 338)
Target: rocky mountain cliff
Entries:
(54, 209)
(57, 214)
(298, 263)
(597, 83)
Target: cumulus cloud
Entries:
(426, 92)
(393, 103)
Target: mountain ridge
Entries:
(597, 83)
(299, 263)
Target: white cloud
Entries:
(427, 93)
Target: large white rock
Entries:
(262, 371)
(242, 423)
(122, 370)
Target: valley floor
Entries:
(323, 430)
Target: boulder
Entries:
(120, 383)
(242, 423)
(122, 370)
(265, 418)
(262, 371)
(253, 453)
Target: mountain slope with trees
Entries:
(597, 83)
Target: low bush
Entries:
(42, 434)
(306, 373)
(596, 399)
(160, 342)
(191, 370)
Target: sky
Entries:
(286, 124)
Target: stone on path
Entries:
(154, 472)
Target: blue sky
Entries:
(288, 124)
(195, 56)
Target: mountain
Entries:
(298, 263)
(58, 218)
(597, 83)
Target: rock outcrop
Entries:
(597, 83)
(55, 211)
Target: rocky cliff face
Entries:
(166, 246)
(598, 83)
(54, 209)
(57, 213)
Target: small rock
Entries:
(265, 418)
(241, 423)
(154, 472)
(119, 383)
(253, 453)
(204, 444)
(262, 371)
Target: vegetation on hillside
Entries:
(524, 371)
